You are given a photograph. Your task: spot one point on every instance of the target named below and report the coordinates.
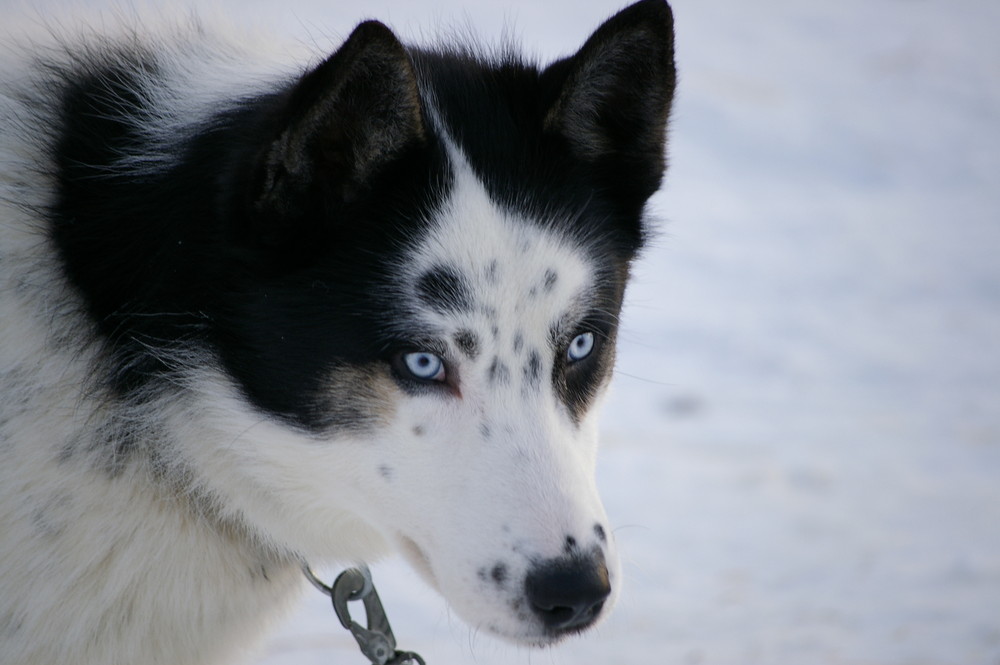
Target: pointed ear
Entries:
(617, 91)
(343, 121)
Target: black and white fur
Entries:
(255, 314)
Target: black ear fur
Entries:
(344, 120)
(617, 92)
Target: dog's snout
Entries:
(568, 593)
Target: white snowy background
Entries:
(802, 449)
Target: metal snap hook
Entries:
(375, 640)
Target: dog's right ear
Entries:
(342, 122)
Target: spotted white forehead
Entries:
(515, 279)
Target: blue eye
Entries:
(581, 347)
(424, 366)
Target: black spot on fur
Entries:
(498, 372)
(418, 430)
(533, 370)
(550, 279)
(386, 471)
(570, 544)
(499, 574)
(445, 290)
(485, 431)
(518, 341)
(599, 532)
(468, 343)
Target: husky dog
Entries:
(256, 315)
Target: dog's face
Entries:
(485, 473)
(441, 248)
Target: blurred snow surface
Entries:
(802, 449)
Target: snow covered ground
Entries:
(802, 452)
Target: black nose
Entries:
(567, 593)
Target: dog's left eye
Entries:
(424, 366)
(581, 347)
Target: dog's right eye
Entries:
(424, 366)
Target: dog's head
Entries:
(438, 245)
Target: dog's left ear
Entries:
(616, 94)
